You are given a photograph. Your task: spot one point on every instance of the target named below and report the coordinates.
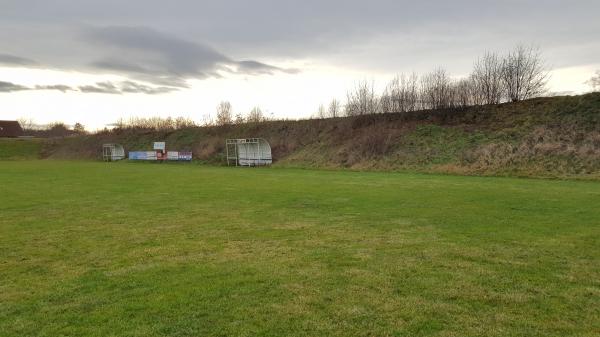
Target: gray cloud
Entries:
(124, 87)
(133, 87)
(138, 53)
(149, 55)
(12, 60)
(100, 88)
(59, 87)
(199, 38)
(10, 87)
(257, 68)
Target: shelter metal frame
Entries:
(232, 152)
(112, 152)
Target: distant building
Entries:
(10, 129)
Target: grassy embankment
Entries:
(20, 149)
(543, 137)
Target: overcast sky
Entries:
(96, 61)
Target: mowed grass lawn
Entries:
(126, 249)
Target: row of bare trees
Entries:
(155, 123)
(518, 75)
(225, 115)
(55, 129)
(334, 109)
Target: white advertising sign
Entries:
(159, 146)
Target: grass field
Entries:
(125, 249)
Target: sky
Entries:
(94, 62)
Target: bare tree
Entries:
(239, 119)
(487, 78)
(463, 93)
(224, 113)
(58, 129)
(321, 112)
(386, 102)
(207, 120)
(524, 74)
(410, 92)
(594, 81)
(182, 122)
(401, 94)
(362, 100)
(335, 108)
(26, 123)
(436, 90)
(391, 99)
(477, 95)
(255, 115)
(79, 128)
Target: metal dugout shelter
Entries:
(112, 152)
(248, 152)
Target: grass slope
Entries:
(19, 149)
(125, 249)
(543, 137)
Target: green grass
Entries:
(19, 149)
(122, 249)
(430, 145)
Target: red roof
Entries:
(10, 129)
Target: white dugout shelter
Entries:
(112, 152)
(248, 152)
